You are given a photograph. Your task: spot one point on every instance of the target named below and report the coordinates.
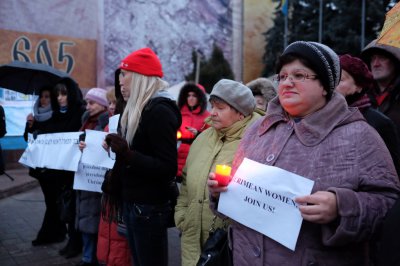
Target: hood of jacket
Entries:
(164, 97)
(201, 96)
(75, 97)
(373, 46)
(314, 128)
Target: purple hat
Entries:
(98, 95)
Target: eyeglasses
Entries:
(295, 77)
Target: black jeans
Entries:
(52, 226)
(147, 233)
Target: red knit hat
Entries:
(143, 61)
(358, 70)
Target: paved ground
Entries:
(21, 213)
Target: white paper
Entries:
(89, 177)
(54, 151)
(26, 158)
(94, 153)
(113, 123)
(262, 197)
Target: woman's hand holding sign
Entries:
(320, 207)
(117, 144)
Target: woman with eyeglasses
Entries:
(309, 130)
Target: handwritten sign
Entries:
(262, 197)
(54, 151)
(89, 177)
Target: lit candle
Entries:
(223, 174)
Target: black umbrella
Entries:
(27, 77)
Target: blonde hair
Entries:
(142, 88)
(111, 95)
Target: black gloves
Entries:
(117, 144)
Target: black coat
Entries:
(391, 105)
(388, 249)
(153, 164)
(69, 121)
(388, 132)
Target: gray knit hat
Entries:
(324, 61)
(236, 95)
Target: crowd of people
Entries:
(332, 119)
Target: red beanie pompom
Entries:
(143, 61)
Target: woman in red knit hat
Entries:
(192, 102)
(146, 156)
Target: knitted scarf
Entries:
(42, 113)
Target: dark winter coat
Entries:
(388, 132)
(65, 122)
(338, 150)
(153, 164)
(388, 249)
(38, 127)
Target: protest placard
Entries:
(262, 197)
(89, 177)
(94, 153)
(58, 151)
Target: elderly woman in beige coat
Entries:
(232, 112)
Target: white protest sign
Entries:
(262, 197)
(89, 177)
(58, 151)
(113, 124)
(26, 158)
(93, 153)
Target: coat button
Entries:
(312, 263)
(270, 157)
(200, 201)
(256, 251)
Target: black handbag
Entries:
(216, 251)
